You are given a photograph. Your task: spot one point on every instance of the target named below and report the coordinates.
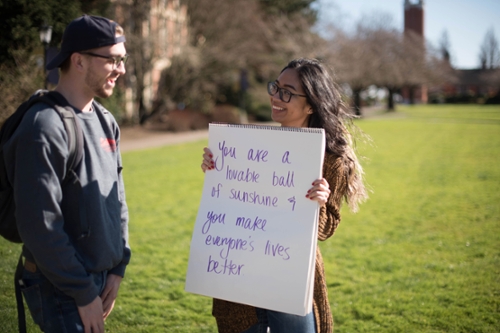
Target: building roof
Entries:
(476, 77)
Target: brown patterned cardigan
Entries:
(235, 318)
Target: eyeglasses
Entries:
(116, 60)
(285, 95)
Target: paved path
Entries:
(137, 137)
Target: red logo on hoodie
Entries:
(109, 145)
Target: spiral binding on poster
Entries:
(274, 128)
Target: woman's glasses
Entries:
(285, 95)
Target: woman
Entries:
(304, 95)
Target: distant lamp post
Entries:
(45, 37)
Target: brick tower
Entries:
(414, 23)
(414, 17)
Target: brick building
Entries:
(414, 24)
(156, 31)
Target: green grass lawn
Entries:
(422, 255)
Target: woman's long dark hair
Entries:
(331, 113)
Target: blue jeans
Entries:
(50, 308)
(279, 322)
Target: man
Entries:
(75, 232)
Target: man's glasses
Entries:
(116, 60)
(285, 95)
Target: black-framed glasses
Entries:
(116, 60)
(285, 95)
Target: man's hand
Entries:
(110, 293)
(92, 316)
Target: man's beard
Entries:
(97, 84)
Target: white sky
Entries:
(466, 21)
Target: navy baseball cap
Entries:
(85, 33)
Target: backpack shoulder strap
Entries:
(21, 316)
(71, 125)
(75, 141)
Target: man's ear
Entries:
(78, 61)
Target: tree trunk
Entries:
(411, 94)
(143, 114)
(357, 101)
(390, 100)
(141, 49)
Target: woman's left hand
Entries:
(208, 162)
(319, 192)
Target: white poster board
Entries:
(254, 240)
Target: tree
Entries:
(394, 68)
(20, 21)
(376, 53)
(226, 36)
(352, 58)
(445, 47)
(21, 69)
(291, 7)
(229, 37)
(489, 54)
(372, 55)
(133, 16)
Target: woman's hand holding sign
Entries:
(319, 192)
(208, 162)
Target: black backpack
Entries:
(8, 226)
